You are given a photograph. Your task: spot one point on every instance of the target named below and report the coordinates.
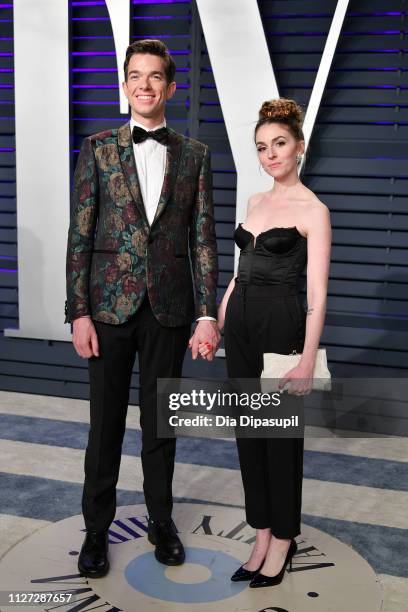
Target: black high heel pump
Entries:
(244, 574)
(259, 580)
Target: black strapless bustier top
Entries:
(278, 256)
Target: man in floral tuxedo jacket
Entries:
(141, 265)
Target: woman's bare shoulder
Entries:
(254, 200)
(312, 205)
(314, 214)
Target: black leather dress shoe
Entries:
(93, 558)
(169, 549)
(260, 580)
(243, 574)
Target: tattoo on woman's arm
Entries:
(309, 311)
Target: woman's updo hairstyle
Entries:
(282, 110)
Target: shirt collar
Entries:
(157, 127)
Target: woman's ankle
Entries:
(259, 550)
(281, 542)
(263, 535)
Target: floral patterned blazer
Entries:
(114, 256)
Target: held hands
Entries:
(84, 338)
(205, 340)
(298, 379)
(205, 349)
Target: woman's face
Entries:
(277, 149)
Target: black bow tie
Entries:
(140, 135)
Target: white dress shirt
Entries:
(150, 157)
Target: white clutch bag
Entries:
(276, 365)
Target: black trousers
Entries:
(261, 319)
(161, 351)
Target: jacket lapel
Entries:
(170, 176)
(127, 160)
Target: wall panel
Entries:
(357, 165)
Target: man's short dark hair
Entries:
(153, 47)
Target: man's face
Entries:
(146, 87)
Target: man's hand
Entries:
(207, 333)
(84, 338)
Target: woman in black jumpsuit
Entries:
(264, 315)
(285, 227)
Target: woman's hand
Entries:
(205, 349)
(299, 379)
(206, 335)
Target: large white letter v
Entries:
(244, 77)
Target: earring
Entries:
(298, 159)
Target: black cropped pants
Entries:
(261, 319)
